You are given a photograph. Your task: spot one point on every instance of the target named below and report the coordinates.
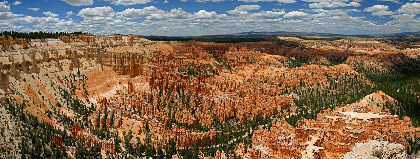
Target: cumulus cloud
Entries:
(97, 13)
(243, 9)
(410, 8)
(133, 14)
(5, 11)
(129, 2)
(279, 1)
(174, 14)
(50, 14)
(79, 2)
(295, 14)
(241, 12)
(395, 1)
(17, 3)
(268, 14)
(203, 14)
(99, 18)
(378, 10)
(69, 13)
(205, 0)
(317, 1)
(34, 9)
(209, 0)
(331, 4)
(247, 7)
(4, 7)
(404, 23)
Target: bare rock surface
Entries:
(376, 150)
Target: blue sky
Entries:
(205, 17)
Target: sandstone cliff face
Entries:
(335, 132)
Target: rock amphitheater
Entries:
(126, 96)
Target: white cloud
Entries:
(317, 1)
(242, 12)
(49, 24)
(4, 7)
(133, 14)
(174, 14)
(395, 1)
(335, 12)
(269, 14)
(34, 9)
(209, 0)
(96, 13)
(354, 4)
(331, 4)
(203, 14)
(79, 2)
(378, 10)
(279, 1)
(410, 8)
(50, 14)
(247, 7)
(295, 14)
(129, 2)
(404, 23)
(69, 13)
(243, 9)
(17, 3)
(205, 0)
(98, 19)
(5, 13)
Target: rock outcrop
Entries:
(377, 149)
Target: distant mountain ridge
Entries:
(406, 33)
(270, 34)
(253, 34)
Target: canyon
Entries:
(285, 97)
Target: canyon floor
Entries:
(89, 96)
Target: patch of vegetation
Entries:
(413, 144)
(313, 101)
(198, 71)
(39, 35)
(224, 62)
(91, 153)
(402, 83)
(78, 107)
(293, 62)
(405, 89)
(289, 43)
(37, 139)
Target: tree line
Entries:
(39, 34)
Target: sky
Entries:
(210, 17)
